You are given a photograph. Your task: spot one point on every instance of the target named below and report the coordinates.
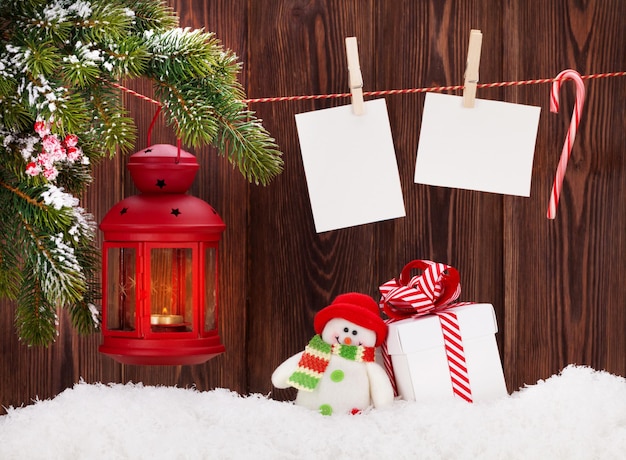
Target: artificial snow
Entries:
(577, 414)
(57, 198)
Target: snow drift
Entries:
(579, 413)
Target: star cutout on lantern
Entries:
(123, 211)
(176, 212)
(160, 183)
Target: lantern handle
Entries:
(154, 119)
(149, 136)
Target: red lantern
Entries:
(160, 269)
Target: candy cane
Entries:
(571, 133)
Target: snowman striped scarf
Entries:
(316, 357)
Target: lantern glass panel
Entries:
(210, 288)
(171, 289)
(121, 289)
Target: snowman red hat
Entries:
(357, 308)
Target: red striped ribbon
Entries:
(431, 292)
(453, 343)
(388, 365)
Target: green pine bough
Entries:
(59, 114)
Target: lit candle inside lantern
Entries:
(165, 319)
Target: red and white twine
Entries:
(386, 92)
(425, 90)
(554, 107)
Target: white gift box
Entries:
(420, 365)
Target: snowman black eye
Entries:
(354, 332)
(345, 329)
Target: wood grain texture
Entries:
(564, 277)
(459, 227)
(557, 286)
(303, 52)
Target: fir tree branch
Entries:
(22, 195)
(56, 268)
(13, 114)
(182, 55)
(57, 60)
(83, 313)
(41, 57)
(10, 275)
(126, 58)
(106, 21)
(251, 147)
(35, 317)
(112, 126)
(151, 15)
(195, 123)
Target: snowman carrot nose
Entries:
(347, 340)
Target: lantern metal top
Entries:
(163, 168)
(163, 211)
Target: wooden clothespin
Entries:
(471, 71)
(355, 77)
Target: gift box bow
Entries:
(432, 292)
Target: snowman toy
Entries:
(337, 373)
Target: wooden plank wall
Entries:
(557, 286)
